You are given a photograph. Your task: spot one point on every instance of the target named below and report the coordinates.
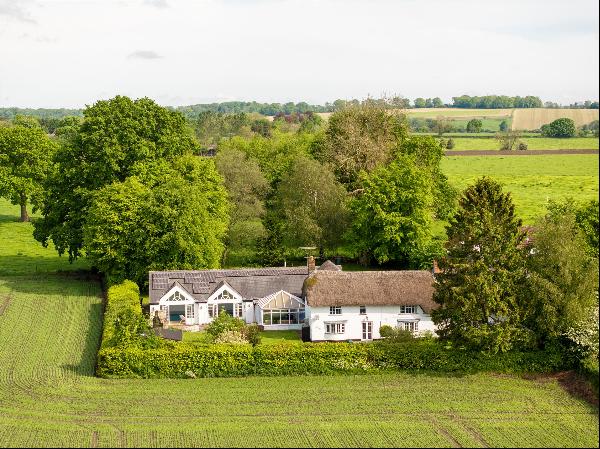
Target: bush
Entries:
(183, 360)
(121, 300)
(450, 144)
(224, 323)
(252, 334)
(562, 127)
(522, 146)
(394, 334)
(231, 337)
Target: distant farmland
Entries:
(520, 119)
(536, 117)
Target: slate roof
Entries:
(251, 283)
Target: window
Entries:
(412, 326)
(176, 296)
(225, 295)
(190, 311)
(335, 310)
(408, 309)
(283, 316)
(238, 311)
(335, 328)
(363, 310)
(367, 330)
(213, 310)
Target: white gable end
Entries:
(225, 293)
(176, 295)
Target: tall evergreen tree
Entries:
(483, 272)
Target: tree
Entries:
(483, 271)
(442, 125)
(247, 188)
(170, 215)
(361, 138)
(586, 219)
(474, 126)
(508, 139)
(26, 121)
(438, 103)
(313, 205)
(25, 160)
(419, 102)
(503, 126)
(116, 137)
(562, 127)
(563, 278)
(392, 215)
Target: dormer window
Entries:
(408, 309)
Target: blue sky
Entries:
(67, 53)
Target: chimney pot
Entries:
(311, 264)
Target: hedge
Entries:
(185, 360)
(120, 297)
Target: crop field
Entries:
(50, 328)
(532, 180)
(534, 118)
(456, 113)
(533, 143)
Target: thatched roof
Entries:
(381, 288)
(330, 266)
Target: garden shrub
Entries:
(450, 144)
(224, 323)
(121, 300)
(522, 146)
(232, 337)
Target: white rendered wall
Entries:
(351, 317)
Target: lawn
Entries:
(50, 327)
(533, 143)
(533, 180)
(20, 253)
(267, 337)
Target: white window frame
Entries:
(412, 326)
(367, 330)
(225, 295)
(213, 310)
(335, 310)
(190, 311)
(408, 309)
(362, 310)
(238, 310)
(335, 328)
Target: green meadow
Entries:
(533, 143)
(532, 180)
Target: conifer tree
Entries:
(482, 273)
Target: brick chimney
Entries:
(310, 260)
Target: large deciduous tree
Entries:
(25, 160)
(313, 205)
(361, 138)
(392, 214)
(483, 273)
(247, 188)
(170, 215)
(563, 277)
(114, 139)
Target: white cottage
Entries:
(268, 296)
(354, 305)
(335, 305)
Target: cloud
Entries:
(144, 54)
(10, 9)
(157, 3)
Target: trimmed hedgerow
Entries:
(121, 299)
(315, 358)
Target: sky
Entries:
(67, 53)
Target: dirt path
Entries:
(516, 152)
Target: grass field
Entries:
(50, 328)
(20, 253)
(532, 180)
(533, 143)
